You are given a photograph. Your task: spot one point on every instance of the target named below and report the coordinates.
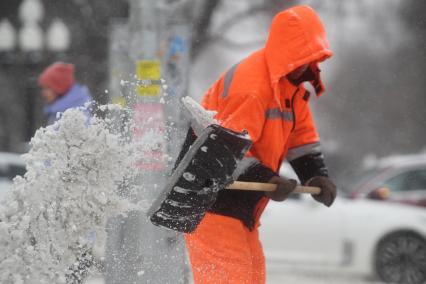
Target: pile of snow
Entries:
(74, 172)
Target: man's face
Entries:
(48, 95)
(297, 73)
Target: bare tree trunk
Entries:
(200, 33)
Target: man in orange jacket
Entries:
(264, 95)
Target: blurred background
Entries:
(373, 113)
(374, 105)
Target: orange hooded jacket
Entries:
(255, 96)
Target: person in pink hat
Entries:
(60, 91)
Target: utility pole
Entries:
(156, 41)
(178, 36)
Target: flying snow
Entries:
(74, 172)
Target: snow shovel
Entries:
(197, 179)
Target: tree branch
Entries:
(201, 26)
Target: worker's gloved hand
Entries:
(284, 188)
(328, 189)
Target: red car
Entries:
(397, 179)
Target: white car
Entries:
(11, 165)
(399, 178)
(356, 236)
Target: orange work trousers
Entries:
(222, 250)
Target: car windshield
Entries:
(359, 178)
(16, 170)
(12, 170)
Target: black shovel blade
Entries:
(205, 169)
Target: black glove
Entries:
(284, 188)
(328, 189)
(309, 166)
(311, 170)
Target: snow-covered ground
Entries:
(288, 276)
(304, 277)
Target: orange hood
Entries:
(296, 37)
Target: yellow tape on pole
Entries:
(119, 101)
(148, 72)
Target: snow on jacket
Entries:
(254, 95)
(77, 96)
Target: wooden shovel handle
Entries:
(258, 186)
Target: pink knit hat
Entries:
(59, 77)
